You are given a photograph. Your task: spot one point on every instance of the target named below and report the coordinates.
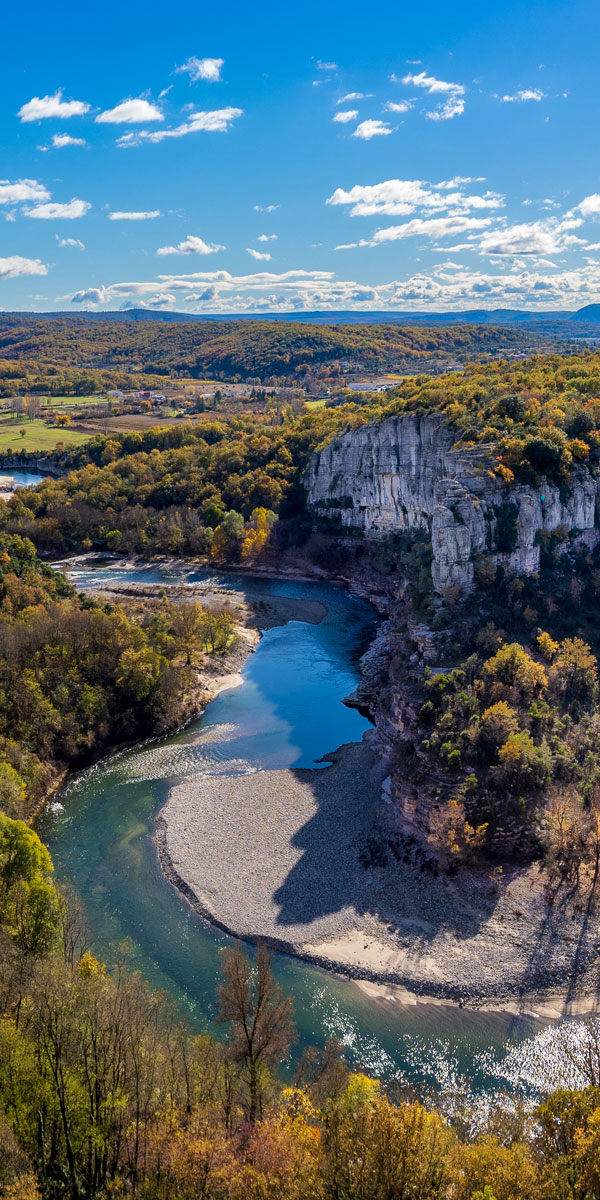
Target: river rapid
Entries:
(287, 712)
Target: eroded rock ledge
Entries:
(409, 472)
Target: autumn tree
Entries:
(259, 1016)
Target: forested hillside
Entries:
(104, 1092)
(76, 675)
(242, 349)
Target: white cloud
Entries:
(402, 107)
(74, 243)
(453, 106)
(208, 69)
(130, 112)
(22, 190)
(401, 197)
(90, 296)
(326, 66)
(216, 120)
(432, 85)
(134, 216)
(259, 255)
(348, 114)
(523, 96)
(267, 208)
(354, 96)
(39, 108)
(589, 207)
(370, 129)
(15, 265)
(438, 227)
(537, 238)
(60, 140)
(267, 237)
(448, 286)
(191, 245)
(53, 211)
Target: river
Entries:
(288, 711)
(9, 480)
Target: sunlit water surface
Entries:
(20, 479)
(288, 711)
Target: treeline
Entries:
(29, 377)
(104, 1092)
(179, 490)
(242, 349)
(76, 675)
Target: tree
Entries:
(497, 724)
(259, 1015)
(452, 836)
(514, 668)
(565, 832)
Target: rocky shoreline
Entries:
(316, 864)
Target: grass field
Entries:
(38, 436)
(315, 404)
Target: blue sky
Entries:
(326, 156)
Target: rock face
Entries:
(409, 473)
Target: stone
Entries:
(411, 472)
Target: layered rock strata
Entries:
(411, 473)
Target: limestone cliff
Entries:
(409, 472)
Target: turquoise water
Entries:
(288, 711)
(21, 478)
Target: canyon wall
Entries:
(408, 472)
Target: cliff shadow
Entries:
(348, 863)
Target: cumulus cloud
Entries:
(370, 129)
(266, 208)
(348, 114)
(447, 286)
(74, 243)
(54, 211)
(60, 140)
(401, 197)
(208, 69)
(21, 191)
(267, 237)
(589, 206)
(15, 265)
(259, 255)
(90, 296)
(354, 96)
(432, 85)
(453, 105)
(402, 107)
(191, 245)
(217, 120)
(39, 108)
(326, 66)
(437, 227)
(521, 97)
(134, 216)
(130, 112)
(537, 238)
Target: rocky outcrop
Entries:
(411, 472)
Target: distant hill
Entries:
(590, 314)
(244, 349)
(474, 316)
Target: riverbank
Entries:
(296, 858)
(312, 862)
